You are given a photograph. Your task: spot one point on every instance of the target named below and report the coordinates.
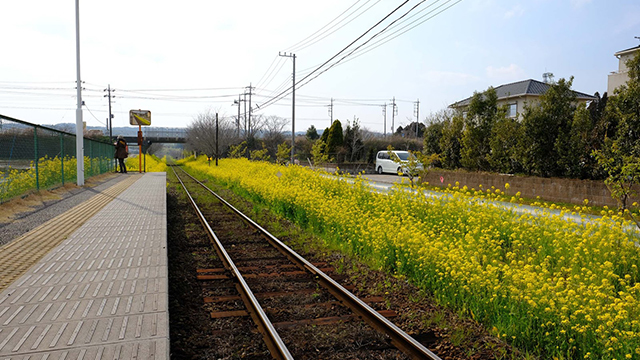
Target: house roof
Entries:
(528, 87)
(626, 51)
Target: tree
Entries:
(273, 132)
(319, 154)
(450, 142)
(283, 153)
(620, 157)
(353, 141)
(546, 130)
(325, 135)
(260, 155)
(238, 151)
(504, 146)
(312, 133)
(625, 107)
(335, 138)
(576, 160)
(481, 116)
(623, 174)
(201, 134)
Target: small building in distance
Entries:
(620, 77)
(516, 95)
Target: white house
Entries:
(617, 78)
(517, 94)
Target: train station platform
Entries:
(91, 284)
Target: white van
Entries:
(384, 164)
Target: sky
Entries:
(181, 59)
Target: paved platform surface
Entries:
(102, 292)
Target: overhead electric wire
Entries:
(268, 69)
(104, 124)
(274, 72)
(386, 39)
(359, 46)
(181, 89)
(314, 41)
(317, 31)
(341, 51)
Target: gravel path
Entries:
(31, 219)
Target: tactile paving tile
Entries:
(102, 293)
(22, 253)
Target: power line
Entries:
(275, 72)
(343, 50)
(183, 89)
(85, 105)
(269, 68)
(361, 45)
(321, 37)
(390, 37)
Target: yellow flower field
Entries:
(154, 164)
(544, 284)
(50, 172)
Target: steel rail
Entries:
(275, 344)
(399, 338)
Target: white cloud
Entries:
(512, 72)
(515, 11)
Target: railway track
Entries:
(259, 287)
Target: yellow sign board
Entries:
(140, 117)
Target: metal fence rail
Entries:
(34, 157)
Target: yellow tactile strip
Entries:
(22, 253)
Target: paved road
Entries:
(384, 183)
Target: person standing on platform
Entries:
(121, 153)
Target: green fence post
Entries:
(35, 150)
(91, 157)
(62, 157)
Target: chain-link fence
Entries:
(33, 157)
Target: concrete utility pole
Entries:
(237, 102)
(250, 93)
(417, 113)
(244, 115)
(331, 113)
(79, 123)
(293, 107)
(394, 112)
(109, 124)
(384, 114)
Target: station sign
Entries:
(140, 117)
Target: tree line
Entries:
(555, 137)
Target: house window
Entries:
(512, 110)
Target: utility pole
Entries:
(109, 124)
(250, 93)
(331, 113)
(394, 112)
(244, 115)
(293, 106)
(237, 102)
(79, 123)
(417, 114)
(384, 114)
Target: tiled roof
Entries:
(521, 88)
